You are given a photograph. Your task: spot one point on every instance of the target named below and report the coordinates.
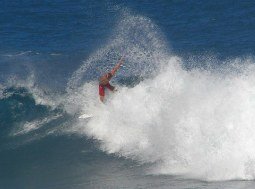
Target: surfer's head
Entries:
(109, 75)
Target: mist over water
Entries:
(136, 38)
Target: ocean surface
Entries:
(183, 115)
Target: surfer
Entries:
(104, 81)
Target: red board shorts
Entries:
(102, 87)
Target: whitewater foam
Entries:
(196, 122)
(192, 123)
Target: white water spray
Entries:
(196, 123)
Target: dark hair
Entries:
(109, 75)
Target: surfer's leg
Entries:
(102, 98)
(110, 87)
(101, 93)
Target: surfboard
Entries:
(85, 116)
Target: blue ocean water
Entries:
(183, 113)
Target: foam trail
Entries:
(17, 54)
(34, 125)
(198, 123)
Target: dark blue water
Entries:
(224, 27)
(43, 43)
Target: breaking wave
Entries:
(194, 122)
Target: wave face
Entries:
(26, 113)
(197, 122)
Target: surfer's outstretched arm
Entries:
(114, 70)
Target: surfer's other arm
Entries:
(114, 70)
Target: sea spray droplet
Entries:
(135, 36)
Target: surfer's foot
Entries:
(102, 99)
